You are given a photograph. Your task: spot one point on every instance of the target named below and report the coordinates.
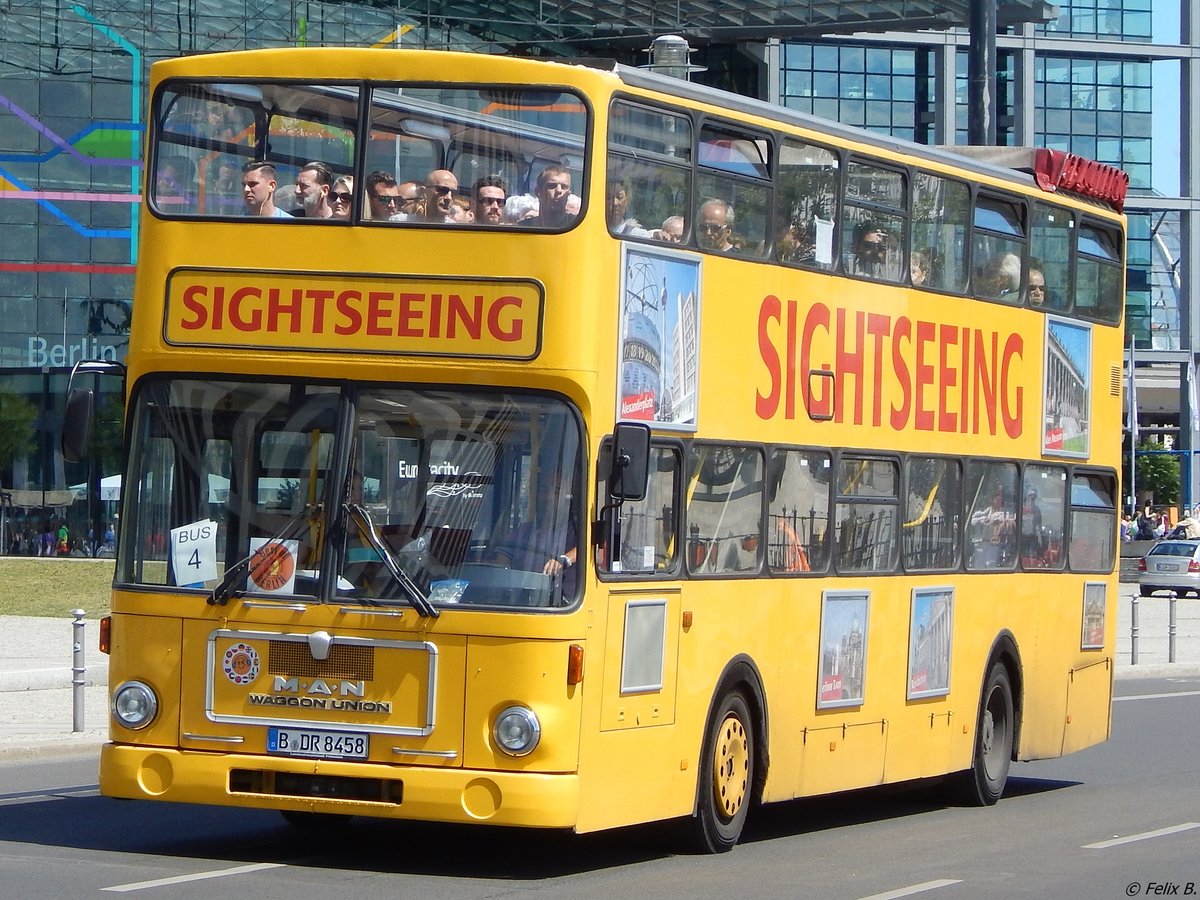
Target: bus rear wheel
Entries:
(726, 777)
(983, 783)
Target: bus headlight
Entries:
(134, 705)
(517, 730)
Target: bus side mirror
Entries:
(81, 407)
(77, 425)
(630, 473)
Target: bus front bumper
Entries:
(439, 794)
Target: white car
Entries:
(1171, 565)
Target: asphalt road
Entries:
(1118, 820)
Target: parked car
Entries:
(1171, 565)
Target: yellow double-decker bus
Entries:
(785, 465)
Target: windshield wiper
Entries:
(310, 516)
(416, 597)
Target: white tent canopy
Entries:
(110, 488)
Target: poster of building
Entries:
(1095, 599)
(1066, 413)
(659, 363)
(930, 634)
(842, 675)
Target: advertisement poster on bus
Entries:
(1066, 415)
(841, 679)
(1095, 598)
(660, 338)
(929, 642)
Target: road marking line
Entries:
(914, 889)
(1159, 696)
(198, 876)
(1144, 836)
(45, 797)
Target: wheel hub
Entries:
(731, 767)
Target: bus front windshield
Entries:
(340, 493)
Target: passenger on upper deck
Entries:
(672, 230)
(313, 184)
(918, 267)
(490, 194)
(462, 211)
(616, 205)
(440, 188)
(342, 197)
(1037, 284)
(411, 205)
(520, 207)
(869, 253)
(1000, 278)
(258, 191)
(715, 226)
(383, 195)
(553, 189)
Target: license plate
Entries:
(318, 744)
(1168, 567)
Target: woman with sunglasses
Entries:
(342, 196)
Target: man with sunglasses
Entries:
(440, 187)
(490, 194)
(714, 226)
(383, 195)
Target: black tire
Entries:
(983, 783)
(1145, 590)
(726, 780)
(311, 821)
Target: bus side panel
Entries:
(1089, 706)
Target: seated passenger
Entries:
(616, 205)
(520, 207)
(411, 204)
(1037, 285)
(313, 183)
(342, 197)
(490, 194)
(672, 230)
(918, 267)
(547, 543)
(258, 191)
(383, 195)
(715, 227)
(553, 190)
(440, 187)
(1000, 278)
(869, 251)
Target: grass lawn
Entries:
(53, 587)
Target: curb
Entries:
(49, 679)
(1156, 670)
(21, 748)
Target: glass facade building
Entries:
(1107, 79)
(1116, 80)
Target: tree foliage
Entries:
(1157, 475)
(17, 435)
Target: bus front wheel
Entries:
(983, 783)
(726, 777)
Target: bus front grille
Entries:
(323, 787)
(351, 663)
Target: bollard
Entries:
(78, 671)
(1171, 630)
(1133, 633)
